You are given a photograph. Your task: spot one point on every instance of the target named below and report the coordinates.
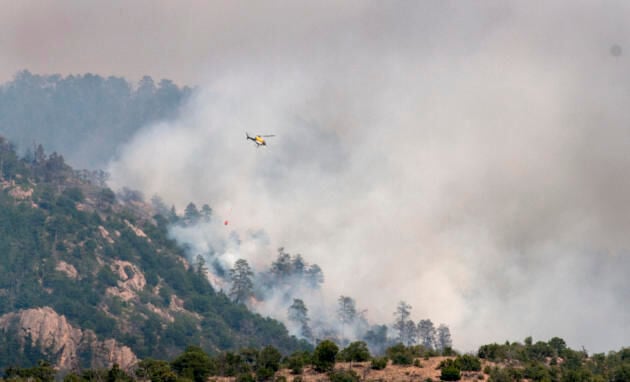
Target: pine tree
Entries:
(172, 215)
(200, 266)
(242, 285)
(426, 334)
(206, 212)
(314, 276)
(376, 337)
(347, 312)
(443, 338)
(298, 313)
(282, 268)
(410, 333)
(298, 265)
(401, 317)
(191, 213)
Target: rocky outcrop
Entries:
(137, 231)
(131, 280)
(21, 194)
(68, 269)
(16, 191)
(105, 234)
(53, 334)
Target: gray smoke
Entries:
(469, 159)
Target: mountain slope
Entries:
(109, 267)
(86, 117)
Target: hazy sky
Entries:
(470, 158)
(181, 40)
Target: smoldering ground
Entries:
(468, 159)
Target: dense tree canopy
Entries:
(84, 116)
(52, 218)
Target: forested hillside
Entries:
(85, 117)
(71, 250)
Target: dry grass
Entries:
(392, 373)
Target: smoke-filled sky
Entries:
(470, 158)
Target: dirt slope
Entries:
(392, 373)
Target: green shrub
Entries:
(355, 352)
(296, 363)
(264, 374)
(245, 377)
(194, 364)
(450, 373)
(269, 358)
(450, 370)
(379, 363)
(468, 362)
(516, 374)
(343, 376)
(75, 194)
(536, 372)
(324, 356)
(621, 373)
(400, 354)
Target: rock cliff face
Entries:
(53, 334)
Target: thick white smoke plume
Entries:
(470, 160)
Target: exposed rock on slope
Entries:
(49, 330)
(68, 269)
(131, 280)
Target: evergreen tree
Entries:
(443, 338)
(206, 213)
(299, 265)
(194, 364)
(324, 356)
(346, 311)
(191, 214)
(298, 313)
(155, 371)
(267, 363)
(282, 268)
(401, 317)
(426, 334)
(39, 156)
(376, 338)
(314, 276)
(116, 374)
(355, 352)
(410, 333)
(172, 215)
(200, 266)
(242, 285)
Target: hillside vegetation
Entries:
(85, 117)
(543, 361)
(109, 268)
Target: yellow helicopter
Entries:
(259, 139)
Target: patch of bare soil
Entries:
(392, 373)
